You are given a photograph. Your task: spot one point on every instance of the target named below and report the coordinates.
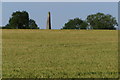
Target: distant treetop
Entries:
(20, 20)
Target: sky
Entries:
(0, 14)
(59, 0)
(61, 12)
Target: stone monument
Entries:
(48, 21)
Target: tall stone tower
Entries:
(48, 21)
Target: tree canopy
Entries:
(32, 24)
(75, 23)
(20, 20)
(101, 21)
(94, 21)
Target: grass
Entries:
(59, 53)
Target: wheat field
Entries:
(59, 53)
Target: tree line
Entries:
(93, 21)
(21, 20)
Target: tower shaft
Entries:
(48, 21)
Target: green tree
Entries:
(20, 20)
(75, 23)
(101, 21)
(32, 24)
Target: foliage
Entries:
(20, 20)
(32, 24)
(75, 24)
(101, 21)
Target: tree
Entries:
(101, 21)
(32, 24)
(20, 20)
(75, 23)
(84, 25)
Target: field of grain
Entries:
(59, 53)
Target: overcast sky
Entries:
(61, 12)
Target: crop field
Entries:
(59, 53)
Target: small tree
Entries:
(32, 24)
(75, 23)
